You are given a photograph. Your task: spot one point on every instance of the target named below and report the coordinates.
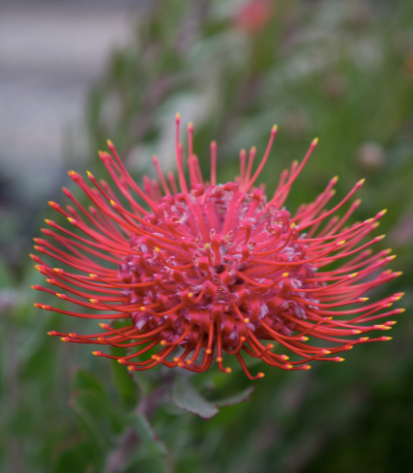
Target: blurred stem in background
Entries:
(338, 70)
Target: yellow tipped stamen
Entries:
(261, 374)
(340, 243)
(112, 203)
(307, 367)
(364, 299)
(157, 249)
(190, 294)
(315, 141)
(207, 246)
(361, 182)
(94, 301)
(285, 275)
(304, 339)
(246, 320)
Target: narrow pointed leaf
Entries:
(236, 398)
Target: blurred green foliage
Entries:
(342, 71)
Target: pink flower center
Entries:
(203, 270)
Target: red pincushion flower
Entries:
(215, 268)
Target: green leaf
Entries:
(85, 380)
(96, 412)
(78, 458)
(186, 397)
(236, 398)
(147, 435)
(148, 465)
(92, 414)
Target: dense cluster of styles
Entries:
(196, 270)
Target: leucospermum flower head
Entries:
(198, 270)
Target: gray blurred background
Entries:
(43, 82)
(50, 54)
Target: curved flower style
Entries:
(215, 268)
